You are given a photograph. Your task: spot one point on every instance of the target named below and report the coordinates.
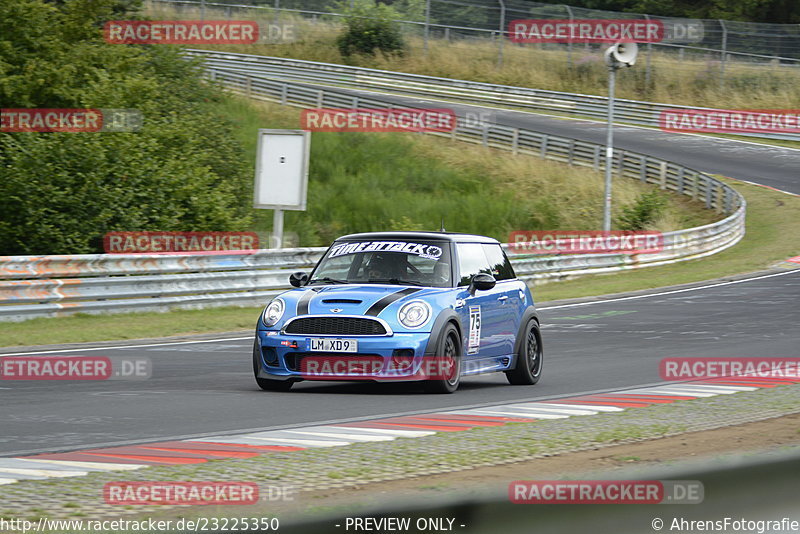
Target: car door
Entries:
(509, 295)
(482, 313)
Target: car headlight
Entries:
(414, 314)
(273, 312)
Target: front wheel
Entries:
(447, 363)
(265, 383)
(530, 356)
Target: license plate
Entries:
(332, 345)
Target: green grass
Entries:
(694, 80)
(361, 182)
(771, 217)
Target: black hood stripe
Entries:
(381, 305)
(304, 301)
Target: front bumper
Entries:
(395, 358)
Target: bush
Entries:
(61, 192)
(370, 27)
(643, 212)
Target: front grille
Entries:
(294, 361)
(336, 326)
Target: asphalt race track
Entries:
(205, 388)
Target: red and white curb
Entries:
(248, 445)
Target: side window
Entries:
(471, 261)
(501, 267)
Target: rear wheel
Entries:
(447, 363)
(530, 357)
(265, 383)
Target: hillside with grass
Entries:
(695, 80)
(361, 182)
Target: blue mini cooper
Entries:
(401, 306)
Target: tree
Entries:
(61, 192)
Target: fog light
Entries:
(402, 360)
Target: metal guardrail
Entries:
(46, 286)
(722, 39)
(572, 104)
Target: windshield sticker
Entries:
(418, 249)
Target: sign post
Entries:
(281, 175)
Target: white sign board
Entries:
(282, 169)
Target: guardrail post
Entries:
(320, 98)
(485, 136)
(643, 169)
(515, 141)
(427, 24)
(707, 183)
(596, 158)
(681, 173)
(570, 152)
(569, 44)
(647, 62)
(284, 93)
(723, 53)
(695, 190)
(720, 207)
(662, 174)
(502, 32)
(543, 146)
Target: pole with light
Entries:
(617, 56)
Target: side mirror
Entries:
(298, 279)
(481, 282)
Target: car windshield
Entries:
(402, 262)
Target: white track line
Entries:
(391, 432)
(47, 473)
(602, 408)
(672, 292)
(96, 466)
(342, 435)
(604, 301)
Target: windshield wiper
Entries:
(394, 281)
(329, 280)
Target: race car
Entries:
(401, 306)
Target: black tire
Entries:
(265, 383)
(448, 348)
(530, 357)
